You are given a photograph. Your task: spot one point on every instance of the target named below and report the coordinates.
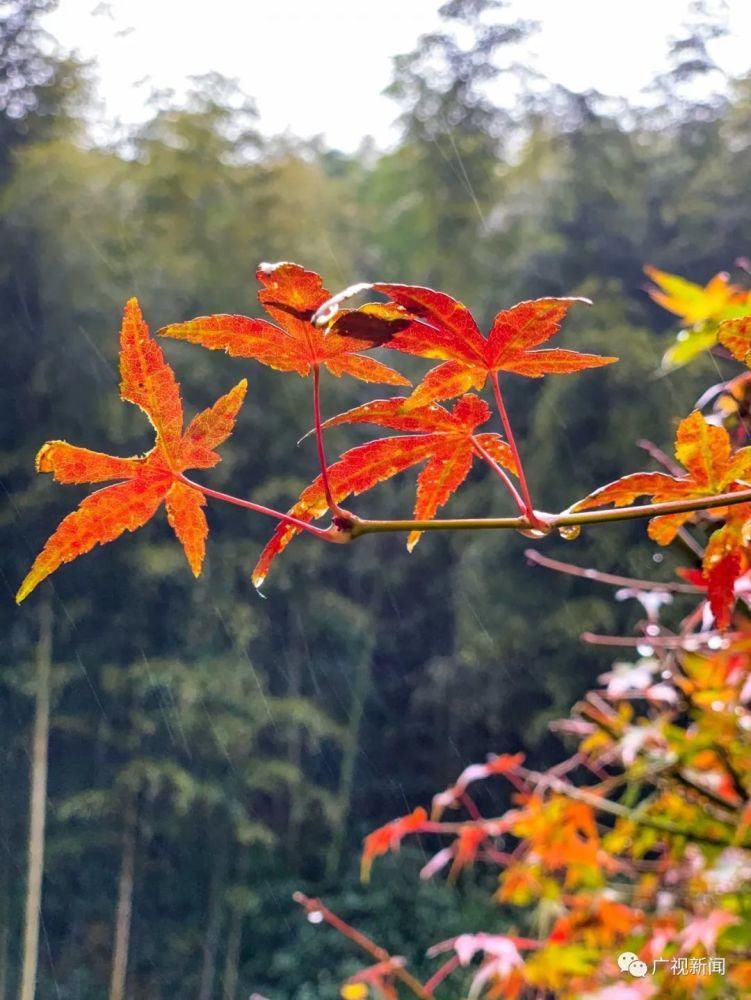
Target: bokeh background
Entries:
(210, 751)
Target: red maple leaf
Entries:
(725, 562)
(447, 331)
(291, 296)
(146, 481)
(445, 440)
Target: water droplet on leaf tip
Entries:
(570, 531)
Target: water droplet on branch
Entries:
(532, 533)
(570, 531)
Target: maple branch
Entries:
(655, 452)
(617, 809)
(547, 522)
(597, 802)
(443, 973)
(501, 473)
(736, 776)
(706, 793)
(688, 541)
(315, 906)
(610, 578)
(693, 640)
(333, 505)
(508, 430)
(324, 533)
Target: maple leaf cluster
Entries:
(637, 848)
(415, 320)
(712, 468)
(638, 844)
(712, 464)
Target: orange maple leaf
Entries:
(596, 921)
(291, 296)
(389, 837)
(443, 439)
(145, 481)
(735, 334)
(561, 833)
(462, 853)
(705, 452)
(447, 331)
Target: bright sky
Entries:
(319, 66)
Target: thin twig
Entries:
(443, 973)
(610, 578)
(324, 533)
(333, 505)
(688, 541)
(694, 640)
(661, 456)
(501, 473)
(364, 942)
(509, 432)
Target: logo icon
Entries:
(631, 963)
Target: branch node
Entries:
(342, 529)
(540, 525)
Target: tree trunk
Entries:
(38, 802)
(296, 814)
(351, 745)
(124, 908)
(5, 889)
(213, 927)
(231, 977)
(4, 935)
(232, 956)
